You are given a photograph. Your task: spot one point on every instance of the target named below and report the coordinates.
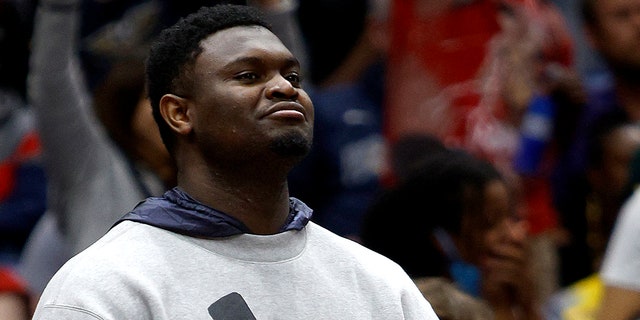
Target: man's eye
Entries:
(247, 76)
(294, 78)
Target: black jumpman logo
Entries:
(231, 307)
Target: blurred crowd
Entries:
(489, 147)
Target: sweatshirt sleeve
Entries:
(90, 181)
(71, 137)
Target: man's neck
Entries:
(260, 201)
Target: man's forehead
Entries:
(234, 43)
(238, 34)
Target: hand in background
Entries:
(507, 283)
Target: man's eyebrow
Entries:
(292, 62)
(253, 60)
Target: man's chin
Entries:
(292, 145)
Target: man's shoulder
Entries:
(114, 248)
(352, 250)
(111, 266)
(123, 247)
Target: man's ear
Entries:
(175, 111)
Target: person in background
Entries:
(619, 270)
(91, 179)
(613, 142)
(612, 30)
(495, 78)
(458, 222)
(228, 242)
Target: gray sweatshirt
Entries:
(142, 272)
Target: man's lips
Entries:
(286, 110)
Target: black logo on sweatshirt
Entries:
(231, 307)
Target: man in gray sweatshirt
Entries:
(228, 242)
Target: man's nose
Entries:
(280, 88)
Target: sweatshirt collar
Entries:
(178, 212)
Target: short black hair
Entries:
(173, 53)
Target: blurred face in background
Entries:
(615, 33)
(495, 242)
(619, 147)
(609, 181)
(491, 227)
